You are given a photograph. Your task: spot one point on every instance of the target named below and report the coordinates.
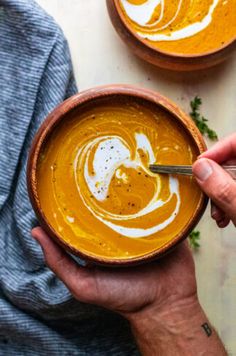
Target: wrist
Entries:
(168, 322)
(180, 328)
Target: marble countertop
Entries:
(100, 57)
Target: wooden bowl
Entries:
(167, 60)
(77, 102)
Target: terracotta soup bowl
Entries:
(178, 35)
(89, 181)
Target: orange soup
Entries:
(182, 26)
(96, 190)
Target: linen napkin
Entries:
(38, 316)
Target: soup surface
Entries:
(95, 187)
(182, 26)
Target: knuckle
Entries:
(83, 288)
(60, 263)
(56, 264)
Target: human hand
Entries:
(159, 299)
(216, 183)
(126, 290)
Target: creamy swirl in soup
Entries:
(182, 26)
(95, 187)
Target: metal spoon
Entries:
(185, 170)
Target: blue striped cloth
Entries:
(38, 316)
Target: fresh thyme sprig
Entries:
(200, 120)
(201, 123)
(194, 238)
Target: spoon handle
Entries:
(185, 170)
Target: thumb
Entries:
(217, 184)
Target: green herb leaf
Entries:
(194, 239)
(201, 121)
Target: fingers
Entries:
(223, 150)
(218, 185)
(79, 280)
(224, 222)
(216, 213)
(219, 216)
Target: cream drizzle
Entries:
(142, 14)
(112, 152)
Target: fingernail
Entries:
(202, 169)
(221, 224)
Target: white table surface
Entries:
(100, 57)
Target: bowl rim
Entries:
(58, 114)
(165, 53)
